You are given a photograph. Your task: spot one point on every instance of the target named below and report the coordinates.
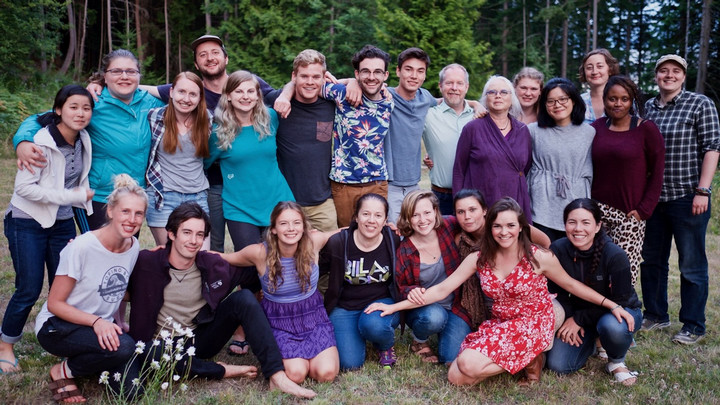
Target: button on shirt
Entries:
(689, 124)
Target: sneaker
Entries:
(687, 338)
(387, 358)
(650, 325)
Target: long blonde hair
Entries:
(304, 255)
(228, 124)
(200, 131)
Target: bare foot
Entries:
(55, 375)
(281, 382)
(232, 371)
(8, 361)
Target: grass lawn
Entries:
(668, 373)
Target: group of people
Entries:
(321, 198)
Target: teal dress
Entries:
(253, 183)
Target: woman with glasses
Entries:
(493, 154)
(561, 162)
(119, 132)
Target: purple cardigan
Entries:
(496, 165)
(152, 274)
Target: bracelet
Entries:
(615, 307)
(703, 191)
(603, 301)
(95, 321)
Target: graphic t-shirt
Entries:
(367, 276)
(101, 277)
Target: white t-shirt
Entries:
(101, 277)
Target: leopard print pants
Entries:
(626, 232)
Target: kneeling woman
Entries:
(287, 265)
(589, 256)
(513, 273)
(76, 322)
(360, 262)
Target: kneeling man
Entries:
(195, 289)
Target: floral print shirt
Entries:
(358, 137)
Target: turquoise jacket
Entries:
(120, 136)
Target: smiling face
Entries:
(126, 217)
(506, 229)
(188, 240)
(597, 71)
(528, 92)
(371, 218)
(471, 215)
(75, 114)
(617, 102)
(423, 219)
(210, 60)
(370, 76)
(670, 77)
(412, 75)
(244, 98)
(454, 87)
(499, 97)
(289, 227)
(308, 82)
(123, 86)
(185, 96)
(581, 228)
(559, 106)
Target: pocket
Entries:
(59, 327)
(324, 131)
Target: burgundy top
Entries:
(628, 167)
(496, 165)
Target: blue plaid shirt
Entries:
(689, 124)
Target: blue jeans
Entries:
(217, 218)
(157, 218)
(85, 357)
(31, 248)
(353, 328)
(445, 201)
(674, 219)
(614, 336)
(450, 328)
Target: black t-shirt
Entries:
(367, 277)
(304, 148)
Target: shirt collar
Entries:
(444, 107)
(57, 136)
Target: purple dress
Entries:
(298, 319)
(496, 165)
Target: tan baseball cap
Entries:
(672, 58)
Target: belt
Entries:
(440, 189)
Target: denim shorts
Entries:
(171, 200)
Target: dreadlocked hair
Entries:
(304, 254)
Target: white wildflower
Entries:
(179, 344)
(164, 386)
(177, 327)
(139, 347)
(166, 357)
(117, 376)
(168, 343)
(183, 387)
(189, 333)
(191, 351)
(169, 319)
(164, 334)
(156, 342)
(178, 357)
(136, 381)
(155, 365)
(103, 378)
(176, 377)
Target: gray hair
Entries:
(454, 66)
(515, 108)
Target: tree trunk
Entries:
(138, 31)
(547, 40)
(504, 55)
(595, 24)
(524, 19)
(563, 64)
(109, 27)
(588, 29)
(72, 42)
(80, 54)
(43, 55)
(208, 19)
(704, 46)
(127, 24)
(167, 44)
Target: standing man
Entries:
(443, 125)
(402, 147)
(689, 124)
(195, 289)
(304, 146)
(358, 160)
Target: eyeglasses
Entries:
(368, 73)
(119, 72)
(561, 101)
(493, 93)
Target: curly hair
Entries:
(228, 124)
(304, 254)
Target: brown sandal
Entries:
(59, 394)
(423, 350)
(533, 371)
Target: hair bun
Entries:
(124, 180)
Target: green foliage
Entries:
(30, 31)
(443, 29)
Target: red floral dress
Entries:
(522, 317)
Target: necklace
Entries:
(427, 252)
(505, 127)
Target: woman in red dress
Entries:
(513, 273)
